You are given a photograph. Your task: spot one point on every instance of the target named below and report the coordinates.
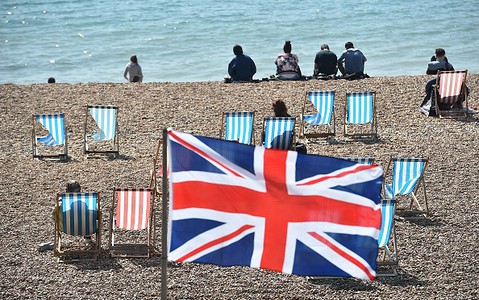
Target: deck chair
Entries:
(407, 177)
(77, 215)
(132, 211)
(238, 126)
(57, 136)
(323, 102)
(387, 260)
(278, 132)
(361, 160)
(451, 96)
(360, 115)
(105, 118)
(156, 173)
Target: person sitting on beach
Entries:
(279, 108)
(325, 63)
(438, 62)
(351, 62)
(51, 80)
(241, 67)
(287, 63)
(133, 70)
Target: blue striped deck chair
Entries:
(106, 129)
(323, 102)
(55, 125)
(387, 242)
(361, 160)
(77, 215)
(407, 177)
(360, 115)
(238, 126)
(278, 132)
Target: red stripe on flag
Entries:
(324, 178)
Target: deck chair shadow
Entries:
(451, 95)
(77, 215)
(278, 133)
(360, 115)
(387, 261)
(54, 143)
(132, 223)
(322, 122)
(238, 126)
(102, 136)
(407, 178)
(361, 160)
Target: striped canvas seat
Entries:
(238, 126)
(361, 160)
(387, 241)
(278, 132)
(451, 92)
(407, 177)
(133, 211)
(323, 102)
(55, 124)
(360, 110)
(105, 119)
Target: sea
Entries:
(85, 41)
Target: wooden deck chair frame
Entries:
(115, 146)
(361, 160)
(419, 184)
(224, 126)
(156, 173)
(387, 260)
(438, 98)
(373, 126)
(124, 248)
(62, 155)
(67, 253)
(293, 133)
(331, 126)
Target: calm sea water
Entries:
(91, 41)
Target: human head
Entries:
(324, 47)
(73, 186)
(237, 50)
(287, 47)
(134, 59)
(348, 45)
(440, 52)
(51, 80)
(279, 108)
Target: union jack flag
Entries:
(235, 204)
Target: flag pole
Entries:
(164, 219)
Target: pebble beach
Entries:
(437, 253)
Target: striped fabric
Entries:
(323, 101)
(239, 126)
(361, 160)
(450, 86)
(133, 208)
(55, 124)
(360, 107)
(387, 213)
(105, 118)
(406, 174)
(79, 213)
(278, 132)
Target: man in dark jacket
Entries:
(242, 67)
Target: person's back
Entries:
(133, 70)
(352, 60)
(325, 62)
(439, 62)
(287, 62)
(241, 67)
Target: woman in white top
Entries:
(133, 70)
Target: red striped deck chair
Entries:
(451, 95)
(132, 223)
(77, 215)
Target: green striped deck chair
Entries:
(360, 115)
(100, 134)
(322, 122)
(278, 132)
(238, 126)
(77, 215)
(387, 261)
(451, 93)
(51, 142)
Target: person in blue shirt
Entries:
(351, 62)
(241, 67)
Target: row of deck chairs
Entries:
(100, 120)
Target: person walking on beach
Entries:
(351, 62)
(438, 62)
(325, 63)
(241, 67)
(287, 62)
(133, 70)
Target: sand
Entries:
(437, 253)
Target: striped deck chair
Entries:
(323, 102)
(360, 114)
(57, 136)
(238, 126)
(361, 160)
(105, 118)
(132, 210)
(278, 132)
(77, 215)
(407, 177)
(451, 96)
(387, 242)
